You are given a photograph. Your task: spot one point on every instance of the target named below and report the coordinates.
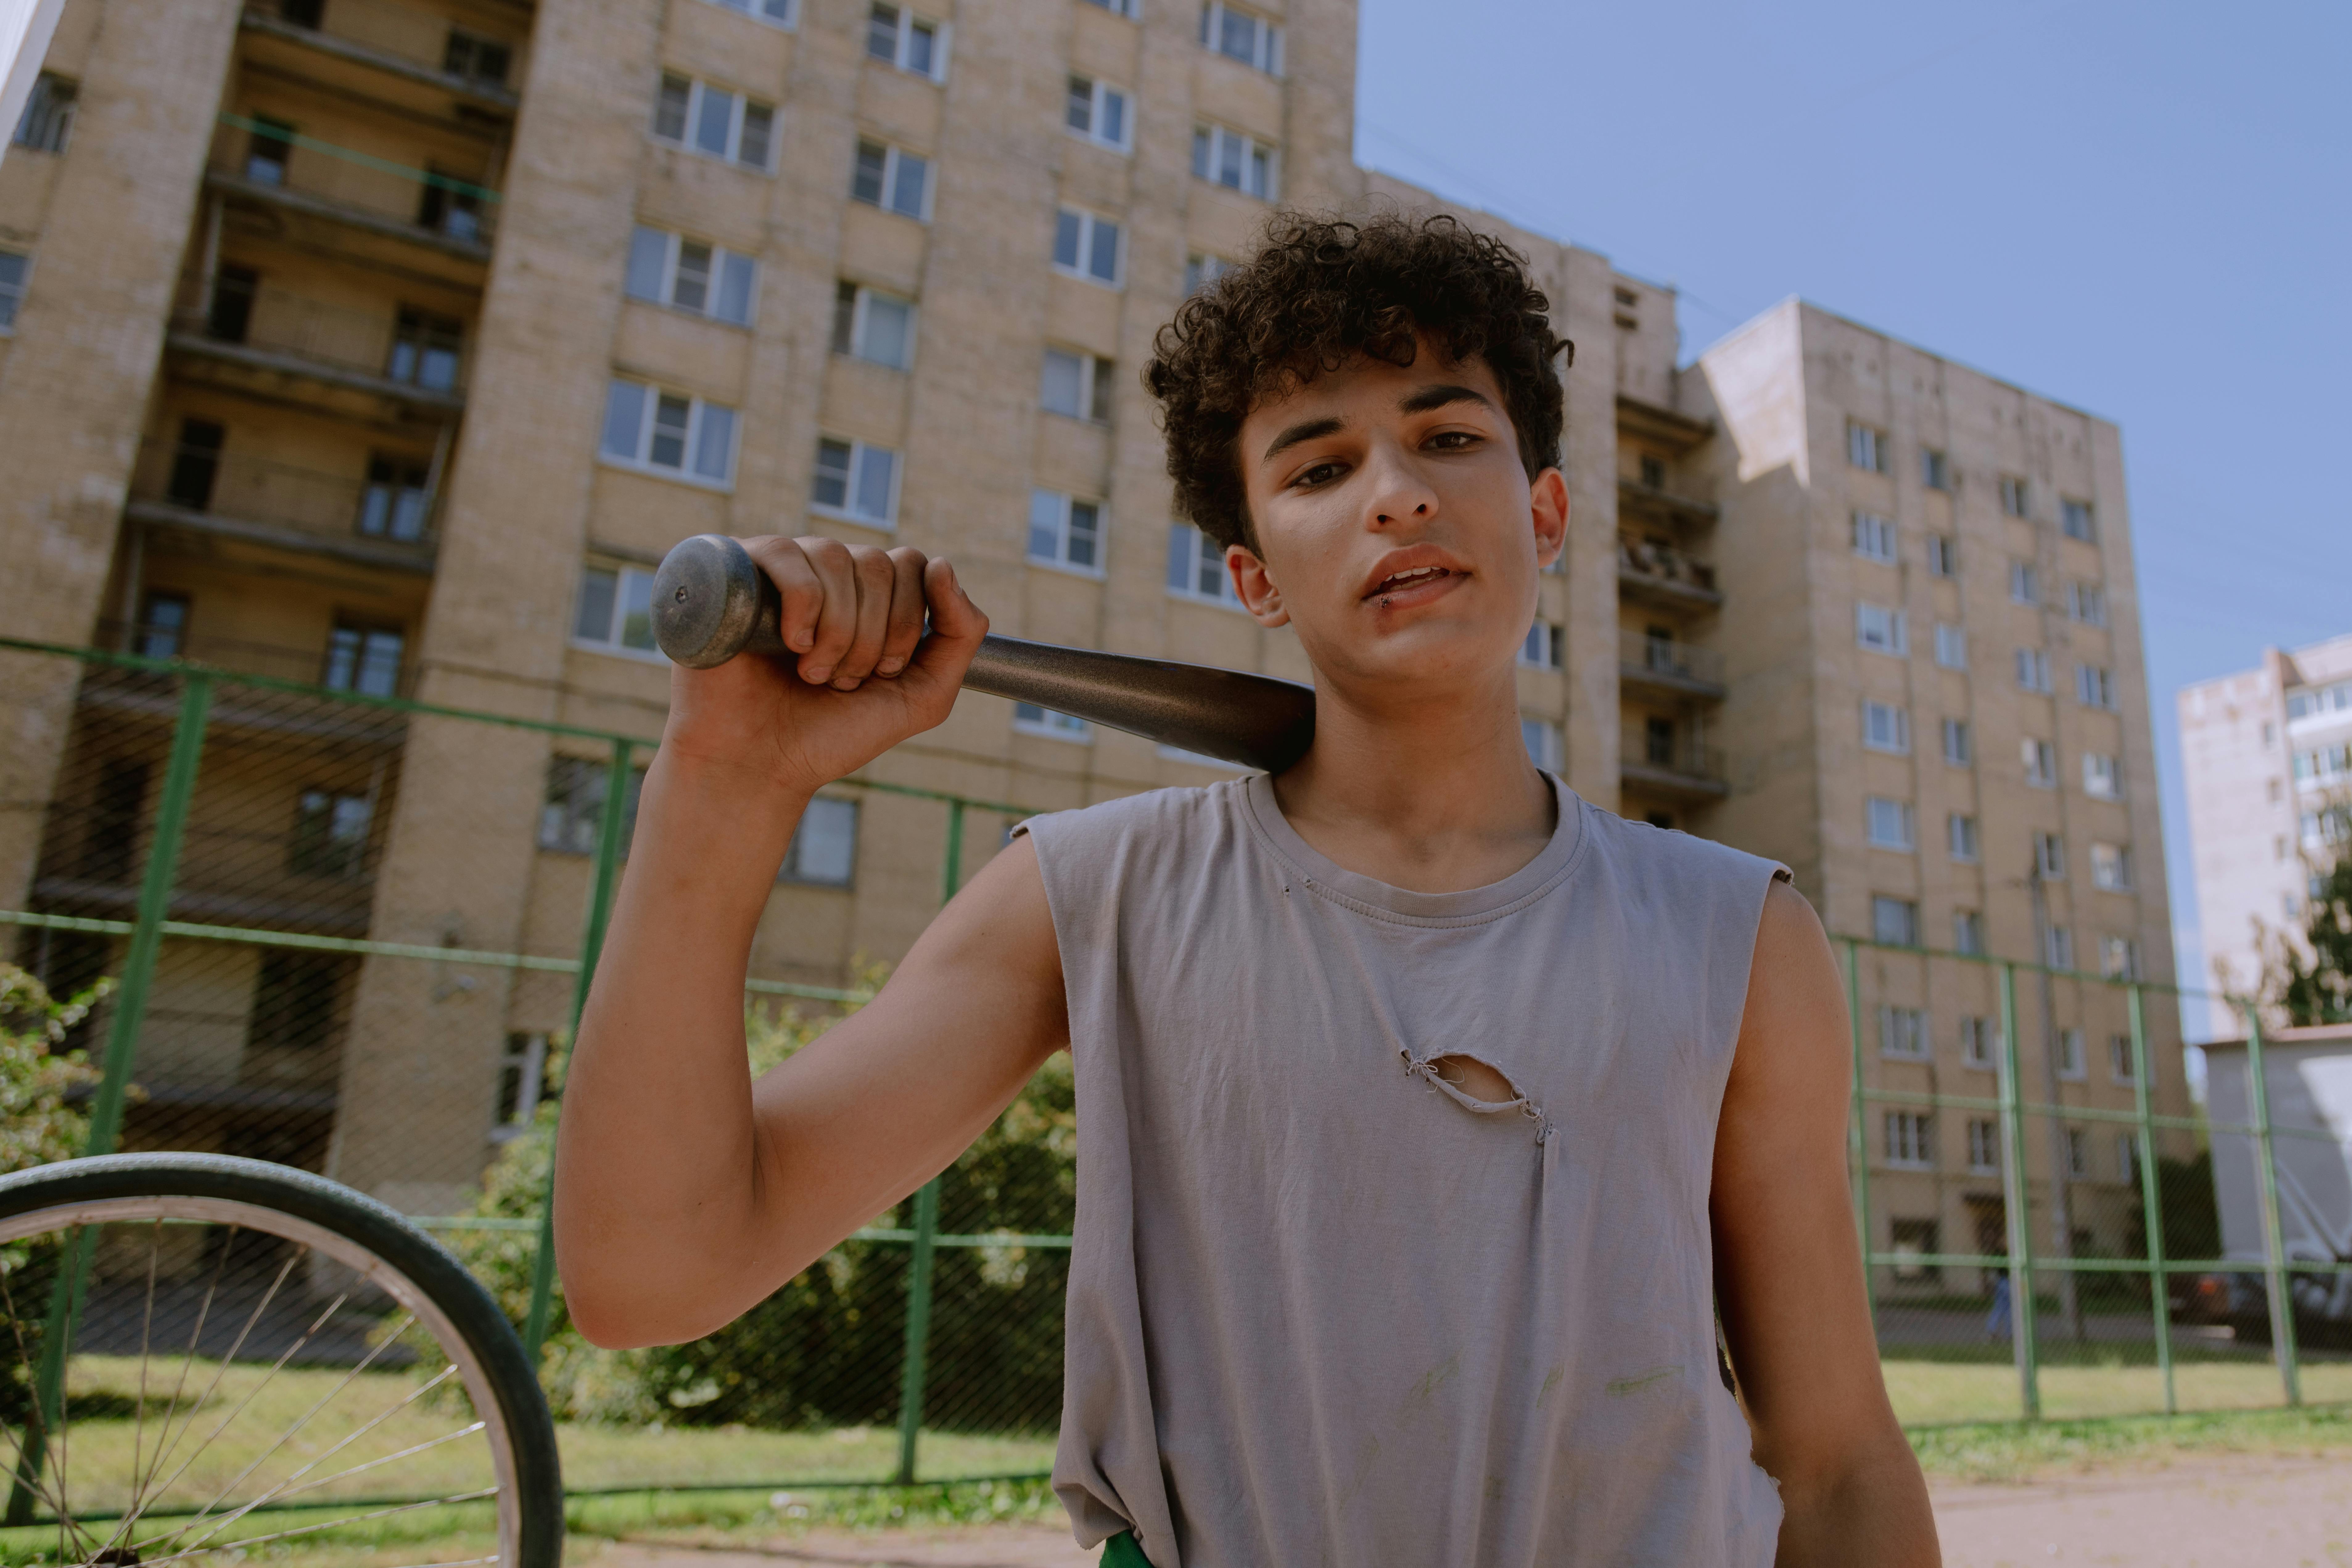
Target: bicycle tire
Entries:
(356, 1231)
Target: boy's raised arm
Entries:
(683, 1192)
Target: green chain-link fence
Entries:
(350, 932)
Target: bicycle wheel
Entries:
(207, 1358)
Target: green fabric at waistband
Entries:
(1121, 1551)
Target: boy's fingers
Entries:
(797, 585)
(957, 627)
(906, 628)
(872, 573)
(836, 622)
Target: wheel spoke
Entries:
(146, 1336)
(251, 1540)
(23, 1468)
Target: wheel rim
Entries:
(266, 1402)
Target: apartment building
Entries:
(2267, 754)
(386, 345)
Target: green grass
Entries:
(2017, 1451)
(1932, 1389)
(600, 1457)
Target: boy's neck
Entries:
(1433, 797)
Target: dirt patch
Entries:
(2194, 1513)
(967, 1546)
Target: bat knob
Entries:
(707, 600)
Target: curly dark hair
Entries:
(1320, 291)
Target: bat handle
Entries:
(712, 602)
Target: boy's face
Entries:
(1397, 530)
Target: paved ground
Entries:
(2222, 1513)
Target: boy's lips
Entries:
(1418, 585)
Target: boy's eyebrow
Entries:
(1305, 430)
(1438, 396)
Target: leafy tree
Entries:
(37, 1122)
(2311, 982)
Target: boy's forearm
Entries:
(657, 1185)
(1873, 1512)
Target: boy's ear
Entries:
(1548, 499)
(1255, 586)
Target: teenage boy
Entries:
(1427, 1115)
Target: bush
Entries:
(38, 1124)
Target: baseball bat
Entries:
(712, 602)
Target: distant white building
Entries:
(2267, 753)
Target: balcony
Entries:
(1636, 500)
(1671, 764)
(417, 48)
(1655, 573)
(407, 356)
(1675, 431)
(1669, 668)
(384, 519)
(369, 664)
(273, 165)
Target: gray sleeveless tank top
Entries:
(1323, 1308)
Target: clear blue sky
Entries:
(2144, 209)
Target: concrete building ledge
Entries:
(417, 559)
(323, 371)
(380, 59)
(1668, 427)
(346, 214)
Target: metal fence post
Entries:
(2151, 1198)
(915, 1365)
(609, 846)
(2016, 1195)
(114, 1084)
(2275, 1275)
(1858, 1140)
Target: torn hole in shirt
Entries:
(1479, 1085)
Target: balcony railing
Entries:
(1677, 762)
(1648, 559)
(387, 515)
(370, 664)
(1664, 661)
(446, 210)
(419, 46)
(406, 347)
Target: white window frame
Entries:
(698, 411)
(1048, 724)
(1873, 537)
(2033, 670)
(1544, 646)
(2050, 855)
(1193, 557)
(687, 141)
(1887, 903)
(861, 302)
(1547, 746)
(11, 292)
(1943, 555)
(1961, 837)
(1063, 505)
(2118, 958)
(783, 14)
(2058, 948)
(1934, 470)
(1984, 1147)
(1128, 9)
(2071, 512)
(2040, 760)
(1095, 381)
(894, 162)
(2094, 686)
(2024, 582)
(1203, 267)
(673, 248)
(1210, 142)
(1903, 1034)
(2127, 1157)
(1088, 222)
(1893, 633)
(1979, 1043)
(1968, 932)
(1266, 50)
(2087, 603)
(1098, 95)
(2119, 1058)
(906, 22)
(2016, 496)
(1866, 447)
(854, 482)
(2103, 776)
(1885, 727)
(617, 617)
(1891, 824)
(1910, 1140)
(2078, 1154)
(2073, 1056)
(1959, 745)
(526, 1058)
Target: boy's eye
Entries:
(1454, 440)
(1321, 473)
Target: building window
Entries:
(14, 268)
(1984, 1147)
(2075, 521)
(1943, 555)
(449, 204)
(2033, 670)
(1865, 447)
(1955, 743)
(1098, 111)
(2058, 947)
(1893, 921)
(825, 845)
(1978, 1040)
(1086, 246)
(196, 464)
(1909, 1144)
(892, 179)
(2024, 582)
(872, 326)
(2321, 765)
(2301, 705)
(1231, 159)
(2102, 777)
(1912, 1242)
(163, 629)
(1890, 823)
(908, 41)
(687, 275)
(616, 610)
(296, 1001)
(1546, 642)
(571, 812)
(1882, 630)
(1960, 837)
(2070, 1055)
(2118, 958)
(1885, 727)
(1967, 932)
(1903, 1033)
(1064, 531)
(1934, 470)
(2119, 1058)
(1201, 270)
(1542, 739)
(2050, 856)
(1242, 36)
(2094, 686)
(1116, 8)
(268, 151)
(1196, 566)
(2127, 1156)
(330, 834)
(779, 12)
(485, 62)
(424, 350)
(2087, 603)
(2078, 1153)
(365, 660)
(2111, 867)
(48, 121)
(397, 500)
(1077, 384)
(1951, 646)
(2014, 496)
(856, 481)
(1030, 719)
(522, 1072)
(668, 433)
(1873, 537)
(713, 122)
